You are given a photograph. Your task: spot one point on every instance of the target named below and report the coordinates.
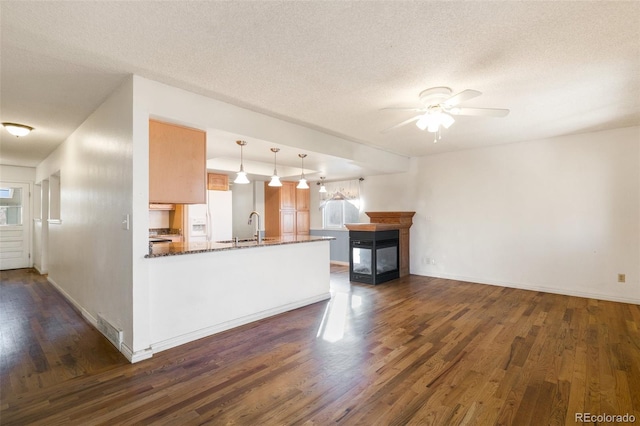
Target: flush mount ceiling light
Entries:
(302, 183)
(275, 180)
(241, 177)
(17, 130)
(323, 188)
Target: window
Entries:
(340, 204)
(10, 206)
(338, 212)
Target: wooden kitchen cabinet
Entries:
(177, 164)
(302, 222)
(155, 206)
(286, 210)
(288, 195)
(217, 182)
(302, 199)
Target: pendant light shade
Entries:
(323, 189)
(17, 130)
(241, 176)
(302, 183)
(275, 180)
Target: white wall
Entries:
(89, 251)
(559, 215)
(17, 174)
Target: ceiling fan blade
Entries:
(480, 112)
(465, 95)
(404, 108)
(402, 123)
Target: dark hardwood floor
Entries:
(416, 350)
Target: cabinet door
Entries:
(302, 199)
(177, 164)
(217, 182)
(302, 222)
(288, 223)
(288, 195)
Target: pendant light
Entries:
(302, 183)
(323, 189)
(241, 177)
(275, 180)
(17, 130)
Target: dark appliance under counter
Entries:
(374, 256)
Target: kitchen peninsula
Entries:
(199, 289)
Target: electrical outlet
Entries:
(426, 260)
(622, 278)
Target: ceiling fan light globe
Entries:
(323, 189)
(433, 127)
(446, 120)
(423, 122)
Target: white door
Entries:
(14, 225)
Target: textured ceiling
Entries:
(560, 67)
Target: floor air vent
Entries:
(113, 334)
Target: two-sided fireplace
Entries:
(374, 256)
(379, 251)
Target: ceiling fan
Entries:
(438, 107)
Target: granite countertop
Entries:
(173, 249)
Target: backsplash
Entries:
(158, 219)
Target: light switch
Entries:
(125, 222)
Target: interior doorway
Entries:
(15, 225)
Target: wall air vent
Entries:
(110, 331)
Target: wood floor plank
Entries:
(413, 351)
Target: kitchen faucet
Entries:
(258, 235)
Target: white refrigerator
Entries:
(211, 221)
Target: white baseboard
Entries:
(41, 272)
(125, 350)
(218, 328)
(531, 287)
(90, 318)
(147, 353)
(138, 356)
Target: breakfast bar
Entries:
(199, 289)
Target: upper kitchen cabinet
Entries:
(217, 182)
(177, 164)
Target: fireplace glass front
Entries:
(374, 256)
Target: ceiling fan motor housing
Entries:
(435, 95)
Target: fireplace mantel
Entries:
(405, 219)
